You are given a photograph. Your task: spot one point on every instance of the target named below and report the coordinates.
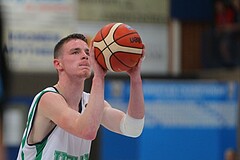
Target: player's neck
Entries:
(72, 92)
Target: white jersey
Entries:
(58, 144)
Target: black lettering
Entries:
(135, 40)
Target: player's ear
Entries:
(57, 64)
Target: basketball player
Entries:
(63, 119)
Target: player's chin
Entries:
(86, 73)
(85, 68)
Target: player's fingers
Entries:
(143, 56)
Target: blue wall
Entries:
(184, 120)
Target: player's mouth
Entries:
(84, 66)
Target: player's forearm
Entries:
(96, 100)
(136, 101)
(94, 110)
(133, 122)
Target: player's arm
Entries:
(136, 102)
(133, 121)
(130, 123)
(111, 118)
(53, 106)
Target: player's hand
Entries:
(97, 69)
(136, 71)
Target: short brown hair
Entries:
(66, 39)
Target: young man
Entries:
(63, 119)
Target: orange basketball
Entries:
(118, 47)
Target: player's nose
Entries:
(85, 55)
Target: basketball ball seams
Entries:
(122, 62)
(118, 61)
(104, 40)
(125, 35)
(115, 48)
(118, 47)
(128, 53)
(116, 40)
(108, 37)
(105, 53)
(98, 47)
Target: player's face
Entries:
(75, 58)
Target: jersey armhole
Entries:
(33, 119)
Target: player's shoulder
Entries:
(48, 91)
(50, 97)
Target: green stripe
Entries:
(22, 155)
(30, 118)
(28, 122)
(39, 148)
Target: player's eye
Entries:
(75, 52)
(87, 52)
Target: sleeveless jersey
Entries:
(58, 144)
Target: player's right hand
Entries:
(97, 69)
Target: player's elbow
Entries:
(134, 134)
(90, 137)
(89, 134)
(131, 127)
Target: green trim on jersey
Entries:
(22, 155)
(39, 147)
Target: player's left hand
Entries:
(136, 71)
